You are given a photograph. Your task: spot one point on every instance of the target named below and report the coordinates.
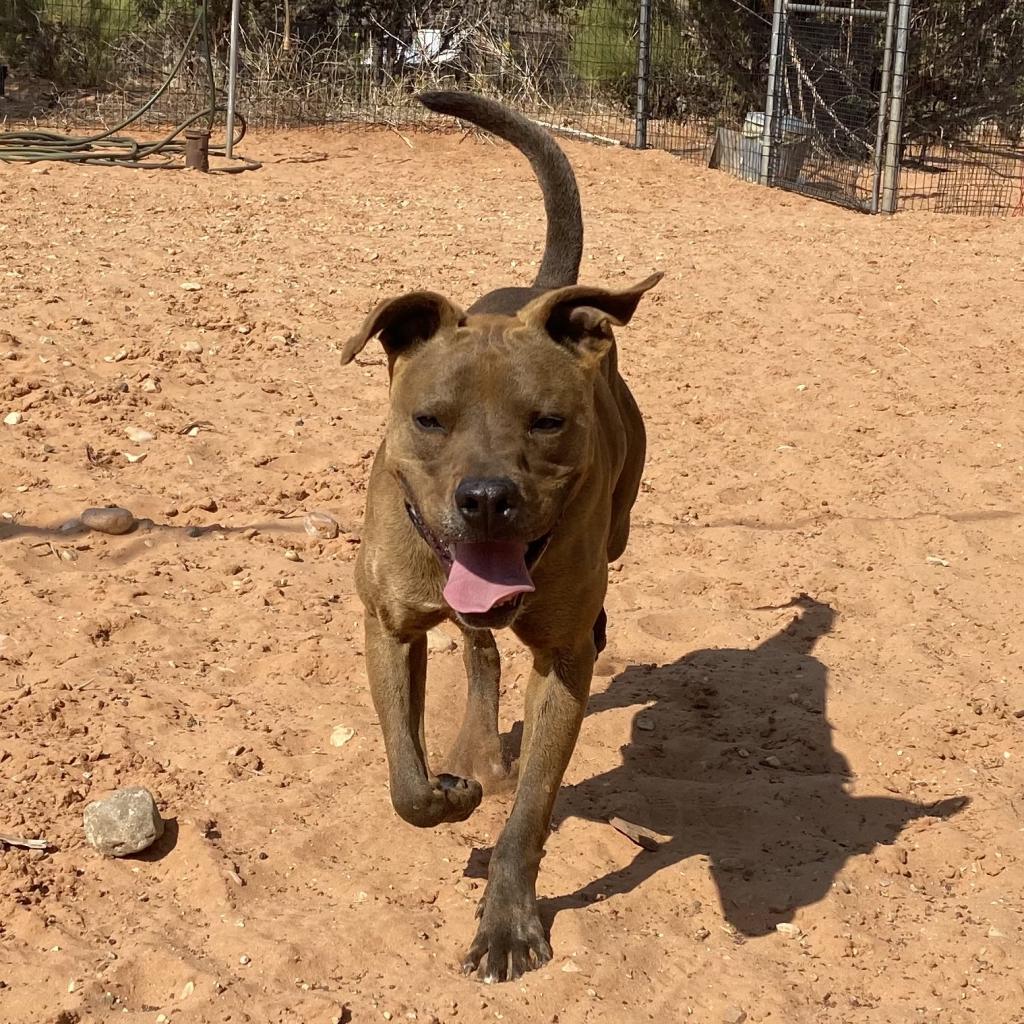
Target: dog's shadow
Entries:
(731, 757)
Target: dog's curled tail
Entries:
(563, 246)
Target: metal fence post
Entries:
(643, 74)
(891, 174)
(774, 58)
(883, 106)
(229, 146)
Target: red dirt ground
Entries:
(834, 408)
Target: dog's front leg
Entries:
(510, 938)
(398, 677)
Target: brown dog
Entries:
(502, 490)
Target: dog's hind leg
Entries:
(476, 752)
(601, 632)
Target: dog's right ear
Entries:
(403, 322)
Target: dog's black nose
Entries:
(488, 503)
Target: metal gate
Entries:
(833, 113)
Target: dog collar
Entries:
(435, 545)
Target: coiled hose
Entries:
(110, 149)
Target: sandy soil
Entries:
(834, 407)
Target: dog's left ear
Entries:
(581, 317)
(403, 322)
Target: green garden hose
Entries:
(109, 149)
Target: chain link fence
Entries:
(719, 82)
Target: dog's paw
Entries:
(509, 942)
(445, 798)
(461, 796)
(483, 761)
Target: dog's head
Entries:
(492, 426)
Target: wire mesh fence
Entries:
(688, 76)
(962, 143)
(981, 174)
(574, 64)
(832, 89)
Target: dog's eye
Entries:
(425, 422)
(547, 424)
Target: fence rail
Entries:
(688, 76)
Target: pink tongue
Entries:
(485, 573)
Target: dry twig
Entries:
(28, 844)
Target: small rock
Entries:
(12, 419)
(206, 504)
(138, 435)
(113, 520)
(791, 931)
(644, 724)
(701, 934)
(292, 555)
(733, 1015)
(250, 533)
(192, 346)
(321, 525)
(772, 762)
(439, 642)
(189, 988)
(244, 959)
(191, 286)
(341, 734)
(123, 823)
(570, 968)
(151, 384)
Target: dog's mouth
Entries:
(487, 579)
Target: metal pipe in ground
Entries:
(643, 74)
(236, 14)
(891, 174)
(197, 149)
(771, 98)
